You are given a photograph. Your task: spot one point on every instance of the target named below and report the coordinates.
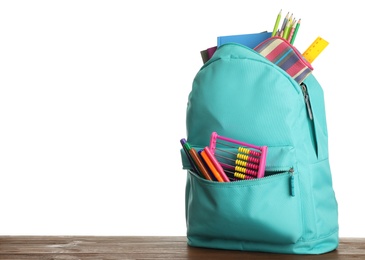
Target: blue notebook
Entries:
(249, 40)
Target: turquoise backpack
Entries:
(293, 209)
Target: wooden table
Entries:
(139, 247)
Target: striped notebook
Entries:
(286, 56)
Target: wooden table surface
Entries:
(141, 247)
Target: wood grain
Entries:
(144, 247)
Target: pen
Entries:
(274, 31)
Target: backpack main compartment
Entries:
(293, 209)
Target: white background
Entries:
(92, 107)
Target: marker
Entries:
(192, 164)
(197, 161)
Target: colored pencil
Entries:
(274, 31)
(295, 32)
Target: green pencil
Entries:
(276, 24)
(287, 29)
(295, 32)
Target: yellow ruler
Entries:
(315, 49)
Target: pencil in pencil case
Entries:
(280, 52)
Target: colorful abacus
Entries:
(240, 159)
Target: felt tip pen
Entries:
(195, 156)
(192, 164)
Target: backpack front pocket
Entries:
(264, 210)
(260, 210)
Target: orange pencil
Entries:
(199, 163)
(216, 164)
(211, 166)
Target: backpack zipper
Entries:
(291, 186)
(274, 172)
(291, 179)
(306, 100)
(310, 114)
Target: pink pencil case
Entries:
(280, 52)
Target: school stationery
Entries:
(277, 21)
(204, 55)
(250, 40)
(315, 49)
(192, 163)
(199, 165)
(211, 166)
(208, 53)
(248, 159)
(216, 164)
(280, 52)
(289, 27)
(241, 94)
(291, 32)
(297, 25)
(284, 23)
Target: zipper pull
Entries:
(292, 191)
(306, 100)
